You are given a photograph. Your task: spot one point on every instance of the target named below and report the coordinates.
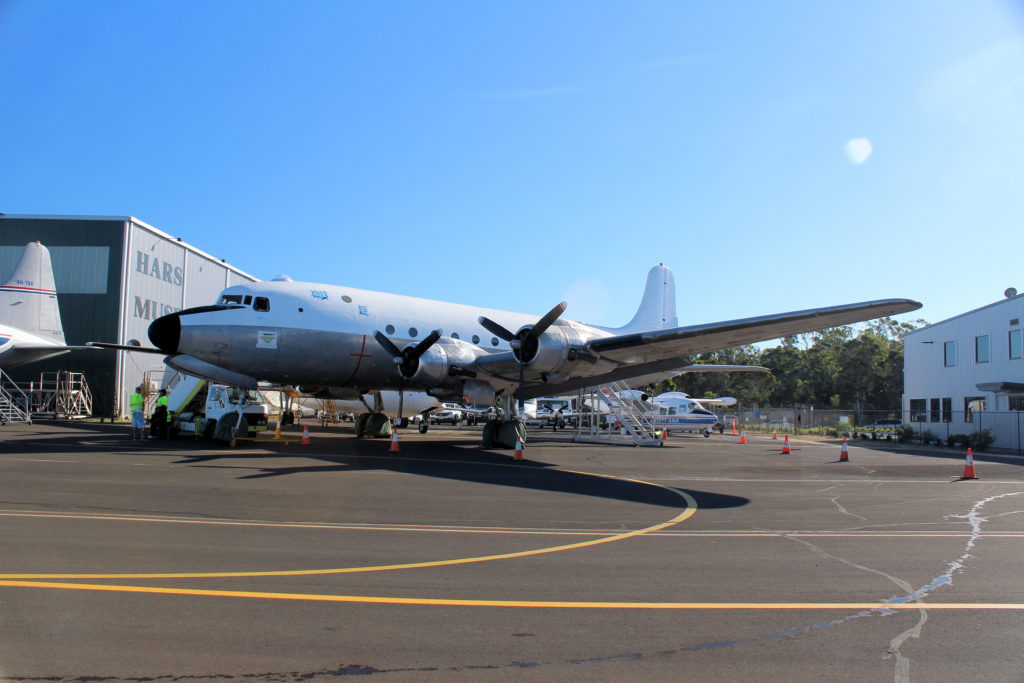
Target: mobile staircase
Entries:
(61, 394)
(628, 419)
(14, 403)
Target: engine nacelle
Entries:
(552, 351)
(442, 363)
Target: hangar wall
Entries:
(114, 275)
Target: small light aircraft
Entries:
(677, 411)
(342, 342)
(30, 327)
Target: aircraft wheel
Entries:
(423, 427)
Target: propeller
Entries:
(524, 343)
(407, 359)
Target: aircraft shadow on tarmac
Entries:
(459, 462)
(441, 458)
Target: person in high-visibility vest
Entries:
(158, 425)
(138, 405)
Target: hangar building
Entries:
(966, 374)
(114, 275)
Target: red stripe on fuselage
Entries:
(359, 362)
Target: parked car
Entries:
(448, 414)
(884, 423)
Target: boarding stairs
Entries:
(629, 420)
(62, 394)
(14, 403)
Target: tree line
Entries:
(835, 368)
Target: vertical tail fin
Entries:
(657, 309)
(28, 300)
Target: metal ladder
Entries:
(630, 420)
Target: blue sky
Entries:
(776, 156)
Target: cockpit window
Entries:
(247, 300)
(231, 299)
(262, 303)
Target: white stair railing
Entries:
(626, 416)
(14, 404)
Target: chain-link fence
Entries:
(946, 427)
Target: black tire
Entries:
(423, 427)
(210, 429)
(361, 424)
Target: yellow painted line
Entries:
(691, 508)
(445, 602)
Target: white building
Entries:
(966, 374)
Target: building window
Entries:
(936, 410)
(949, 354)
(947, 410)
(1017, 402)
(918, 410)
(972, 405)
(981, 349)
(1016, 348)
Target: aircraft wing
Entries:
(647, 347)
(666, 351)
(662, 368)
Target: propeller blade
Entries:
(495, 329)
(387, 344)
(544, 323)
(425, 344)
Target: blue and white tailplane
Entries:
(657, 309)
(28, 300)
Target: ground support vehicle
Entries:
(215, 411)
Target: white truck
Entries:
(215, 411)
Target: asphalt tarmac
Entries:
(700, 560)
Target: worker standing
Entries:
(137, 402)
(158, 430)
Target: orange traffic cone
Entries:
(775, 434)
(664, 433)
(734, 426)
(743, 437)
(394, 443)
(305, 435)
(969, 467)
(518, 454)
(785, 446)
(844, 455)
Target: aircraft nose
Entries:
(165, 333)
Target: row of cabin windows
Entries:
(413, 332)
(262, 304)
(983, 349)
